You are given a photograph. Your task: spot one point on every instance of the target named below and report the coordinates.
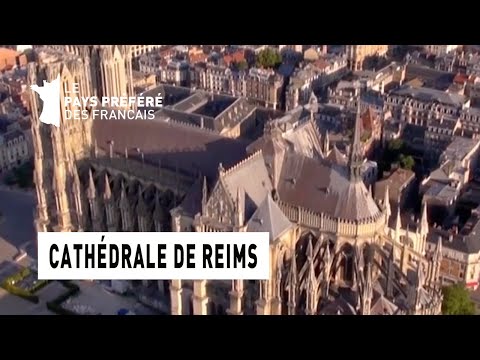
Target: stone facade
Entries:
(356, 54)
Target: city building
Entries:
(392, 129)
(143, 82)
(175, 73)
(345, 93)
(417, 105)
(382, 79)
(399, 184)
(439, 50)
(10, 58)
(295, 48)
(13, 146)
(473, 90)
(443, 186)
(460, 252)
(470, 120)
(356, 54)
(313, 77)
(223, 114)
(264, 86)
(138, 50)
(372, 126)
(439, 133)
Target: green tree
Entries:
(365, 136)
(456, 301)
(24, 175)
(374, 62)
(406, 162)
(240, 65)
(10, 179)
(395, 145)
(21, 176)
(269, 58)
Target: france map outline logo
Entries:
(50, 95)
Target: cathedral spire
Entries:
(367, 293)
(313, 102)
(407, 235)
(326, 272)
(278, 280)
(292, 286)
(110, 206)
(95, 149)
(108, 191)
(438, 251)
(356, 157)
(386, 204)
(424, 218)
(420, 279)
(311, 288)
(398, 225)
(390, 272)
(240, 207)
(92, 200)
(123, 195)
(91, 192)
(437, 262)
(77, 193)
(326, 143)
(423, 228)
(125, 209)
(204, 196)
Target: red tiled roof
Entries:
(321, 64)
(195, 58)
(234, 57)
(368, 119)
(7, 58)
(460, 78)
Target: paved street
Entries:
(16, 225)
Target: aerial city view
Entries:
(360, 161)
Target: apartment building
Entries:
(444, 185)
(13, 149)
(439, 50)
(312, 77)
(356, 54)
(417, 105)
(460, 252)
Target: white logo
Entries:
(50, 95)
(77, 107)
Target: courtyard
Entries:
(15, 305)
(94, 295)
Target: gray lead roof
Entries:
(269, 218)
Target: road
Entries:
(16, 225)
